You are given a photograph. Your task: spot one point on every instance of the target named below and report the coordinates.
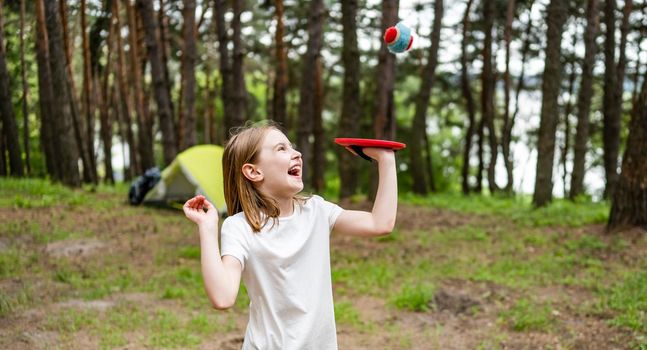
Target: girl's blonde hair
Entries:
(240, 193)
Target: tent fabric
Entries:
(197, 170)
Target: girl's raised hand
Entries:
(199, 210)
(379, 154)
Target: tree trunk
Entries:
(106, 100)
(629, 205)
(89, 105)
(350, 118)
(584, 100)
(78, 122)
(613, 121)
(319, 145)
(384, 122)
(279, 107)
(225, 67)
(189, 57)
(568, 110)
(9, 127)
(160, 85)
(25, 89)
(144, 123)
(487, 92)
(419, 127)
(164, 44)
(67, 154)
(469, 102)
(556, 17)
(308, 87)
(48, 142)
(505, 143)
(239, 97)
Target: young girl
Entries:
(278, 240)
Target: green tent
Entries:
(197, 170)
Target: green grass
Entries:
(518, 209)
(38, 193)
(414, 297)
(628, 298)
(526, 315)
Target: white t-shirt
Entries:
(286, 269)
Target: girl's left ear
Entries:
(252, 173)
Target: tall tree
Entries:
(319, 139)
(88, 103)
(25, 90)
(351, 110)
(487, 91)
(584, 99)
(384, 115)
(556, 17)
(160, 85)
(78, 122)
(419, 127)
(279, 106)
(189, 57)
(144, 122)
(629, 204)
(48, 143)
(568, 110)
(505, 143)
(239, 92)
(9, 127)
(105, 97)
(226, 88)
(67, 153)
(469, 101)
(308, 85)
(613, 88)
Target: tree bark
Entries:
(9, 127)
(189, 57)
(584, 100)
(319, 145)
(144, 122)
(239, 96)
(279, 106)
(629, 204)
(419, 127)
(384, 122)
(78, 122)
(552, 77)
(505, 142)
(25, 90)
(48, 142)
(89, 105)
(613, 117)
(225, 67)
(349, 121)
(469, 102)
(487, 92)
(67, 154)
(611, 122)
(308, 86)
(568, 110)
(160, 85)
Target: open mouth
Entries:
(295, 170)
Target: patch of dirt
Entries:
(74, 248)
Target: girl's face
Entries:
(279, 166)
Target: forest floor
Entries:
(84, 270)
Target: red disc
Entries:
(347, 142)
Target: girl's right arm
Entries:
(221, 275)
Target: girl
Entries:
(278, 240)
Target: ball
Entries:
(398, 38)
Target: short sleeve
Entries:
(330, 210)
(232, 239)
